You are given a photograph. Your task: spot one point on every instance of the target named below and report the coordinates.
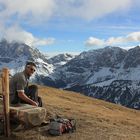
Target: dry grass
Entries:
(96, 119)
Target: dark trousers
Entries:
(32, 93)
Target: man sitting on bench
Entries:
(20, 91)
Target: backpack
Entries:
(59, 126)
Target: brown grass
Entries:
(96, 119)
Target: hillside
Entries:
(96, 119)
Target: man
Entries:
(20, 91)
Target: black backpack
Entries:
(60, 125)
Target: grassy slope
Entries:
(96, 119)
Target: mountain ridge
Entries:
(100, 68)
(94, 70)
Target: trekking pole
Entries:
(5, 94)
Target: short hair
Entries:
(30, 63)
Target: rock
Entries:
(28, 114)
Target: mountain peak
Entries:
(60, 59)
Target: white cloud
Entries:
(14, 13)
(135, 36)
(114, 40)
(36, 12)
(130, 38)
(44, 9)
(40, 9)
(92, 41)
(18, 34)
(90, 9)
(42, 42)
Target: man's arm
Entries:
(25, 98)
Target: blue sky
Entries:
(72, 26)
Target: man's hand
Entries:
(25, 98)
(34, 103)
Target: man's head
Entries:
(30, 68)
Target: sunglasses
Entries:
(32, 69)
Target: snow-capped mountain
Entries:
(111, 73)
(101, 67)
(14, 56)
(57, 62)
(94, 73)
(93, 67)
(60, 59)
